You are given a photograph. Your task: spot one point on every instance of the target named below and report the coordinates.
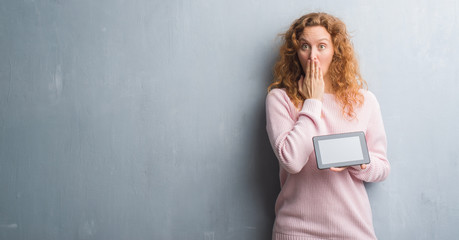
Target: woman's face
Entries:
(316, 43)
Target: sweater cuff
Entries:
(312, 107)
(357, 168)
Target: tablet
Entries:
(341, 150)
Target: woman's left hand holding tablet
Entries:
(339, 169)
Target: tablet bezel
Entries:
(363, 145)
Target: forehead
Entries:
(315, 33)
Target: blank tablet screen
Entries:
(340, 150)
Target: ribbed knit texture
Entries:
(322, 204)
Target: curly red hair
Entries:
(343, 71)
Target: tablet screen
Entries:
(340, 150)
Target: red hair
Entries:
(343, 72)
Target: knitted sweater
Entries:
(322, 204)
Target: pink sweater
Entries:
(321, 204)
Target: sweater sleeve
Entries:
(291, 139)
(379, 166)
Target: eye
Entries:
(304, 46)
(322, 46)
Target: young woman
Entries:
(318, 90)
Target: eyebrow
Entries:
(320, 40)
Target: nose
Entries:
(313, 54)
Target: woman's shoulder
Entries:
(278, 96)
(369, 97)
(278, 93)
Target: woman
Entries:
(318, 90)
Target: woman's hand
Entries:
(312, 84)
(339, 169)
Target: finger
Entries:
(309, 78)
(338, 169)
(316, 70)
(313, 69)
(308, 69)
(363, 166)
